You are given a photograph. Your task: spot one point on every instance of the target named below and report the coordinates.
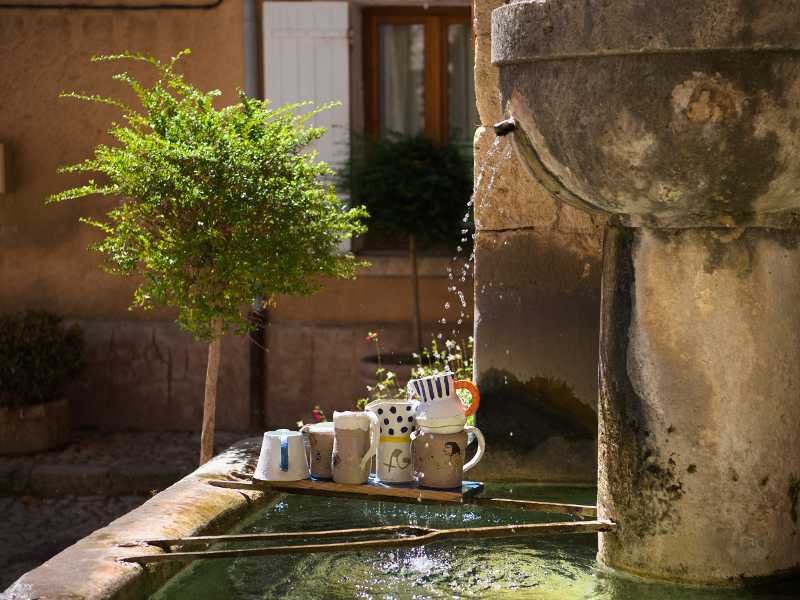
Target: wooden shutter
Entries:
(306, 57)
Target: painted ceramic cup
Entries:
(320, 448)
(396, 420)
(355, 442)
(441, 409)
(283, 457)
(439, 457)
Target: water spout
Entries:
(503, 128)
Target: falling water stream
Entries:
(556, 568)
(484, 183)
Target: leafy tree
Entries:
(217, 207)
(411, 187)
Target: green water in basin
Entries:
(558, 567)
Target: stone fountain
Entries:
(681, 121)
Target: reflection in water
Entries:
(557, 568)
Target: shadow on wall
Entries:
(522, 415)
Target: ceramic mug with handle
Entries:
(439, 457)
(320, 448)
(283, 457)
(355, 441)
(397, 419)
(441, 410)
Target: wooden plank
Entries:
(430, 536)
(372, 491)
(469, 495)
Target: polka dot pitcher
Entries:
(396, 419)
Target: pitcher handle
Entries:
(374, 439)
(284, 452)
(481, 447)
(465, 384)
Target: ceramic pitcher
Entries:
(441, 410)
(439, 457)
(397, 419)
(283, 457)
(320, 448)
(355, 441)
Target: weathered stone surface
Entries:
(505, 196)
(482, 15)
(151, 375)
(487, 83)
(90, 569)
(657, 137)
(557, 459)
(698, 451)
(547, 29)
(536, 328)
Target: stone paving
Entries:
(50, 500)
(34, 529)
(107, 464)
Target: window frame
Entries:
(436, 21)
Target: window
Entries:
(418, 67)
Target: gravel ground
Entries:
(178, 449)
(34, 529)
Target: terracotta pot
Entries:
(35, 428)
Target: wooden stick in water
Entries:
(580, 510)
(249, 537)
(426, 536)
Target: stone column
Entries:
(699, 407)
(679, 120)
(537, 297)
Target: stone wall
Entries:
(537, 299)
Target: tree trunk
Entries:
(210, 399)
(412, 255)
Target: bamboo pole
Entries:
(289, 535)
(425, 536)
(578, 510)
(419, 497)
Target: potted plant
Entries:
(414, 188)
(39, 359)
(216, 207)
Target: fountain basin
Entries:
(664, 114)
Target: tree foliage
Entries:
(217, 206)
(410, 185)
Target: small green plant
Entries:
(412, 187)
(451, 356)
(216, 207)
(39, 358)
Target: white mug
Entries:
(283, 457)
(355, 441)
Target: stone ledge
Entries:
(90, 569)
